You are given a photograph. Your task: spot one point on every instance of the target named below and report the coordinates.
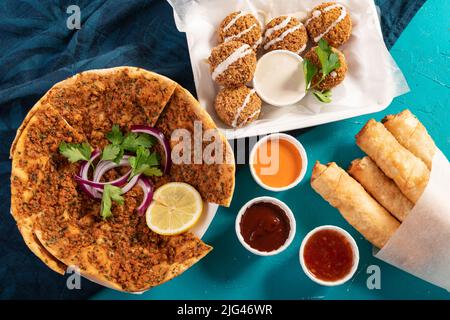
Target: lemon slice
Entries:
(175, 208)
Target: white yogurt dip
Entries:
(279, 79)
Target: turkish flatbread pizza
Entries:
(87, 164)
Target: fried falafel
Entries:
(334, 78)
(232, 64)
(240, 26)
(330, 21)
(285, 32)
(237, 107)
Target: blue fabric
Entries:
(395, 15)
(38, 50)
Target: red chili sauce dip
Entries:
(328, 255)
(265, 226)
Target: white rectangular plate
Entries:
(372, 81)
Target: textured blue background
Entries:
(38, 50)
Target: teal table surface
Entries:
(231, 272)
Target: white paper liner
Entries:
(421, 246)
(373, 78)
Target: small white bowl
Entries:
(355, 256)
(280, 73)
(300, 149)
(284, 207)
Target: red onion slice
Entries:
(162, 140)
(147, 188)
(84, 170)
(130, 184)
(89, 191)
(100, 185)
(95, 187)
(105, 165)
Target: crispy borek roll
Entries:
(353, 202)
(411, 134)
(383, 189)
(409, 173)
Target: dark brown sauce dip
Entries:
(265, 226)
(328, 255)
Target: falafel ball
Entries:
(232, 63)
(335, 77)
(241, 26)
(237, 107)
(285, 32)
(330, 21)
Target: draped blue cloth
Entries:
(37, 49)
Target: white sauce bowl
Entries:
(286, 210)
(301, 150)
(279, 79)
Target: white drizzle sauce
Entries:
(240, 34)
(314, 15)
(242, 107)
(301, 49)
(250, 117)
(257, 43)
(277, 27)
(239, 53)
(317, 13)
(234, 20)
(282, 36)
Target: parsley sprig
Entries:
(145, 163)
(329, 62)
(120, 143)
(75, 151)
(110, 193)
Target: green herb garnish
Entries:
(120, 143)
(75, 151)
(133, 141)
(324, 96)
(145, 163)
(329, 61)
(110, 193)
(115, 136)
(310, 70)
(112, 152)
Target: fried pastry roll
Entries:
(409, 173)
(411, 134)
(363, 212)
(383, 189)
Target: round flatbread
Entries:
(61, 225)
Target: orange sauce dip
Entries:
(277, 163)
